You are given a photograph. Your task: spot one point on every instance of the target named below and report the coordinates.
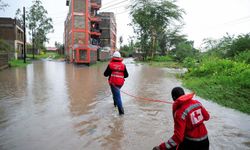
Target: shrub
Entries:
(243, 57)
(189, 62)
(215, 67)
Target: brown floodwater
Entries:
(59, 106)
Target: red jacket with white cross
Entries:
(189, 116)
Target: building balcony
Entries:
(95, 41)
(95, 32)
(95, 19)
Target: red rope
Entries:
(147, 99)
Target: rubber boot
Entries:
(121, 111)
(114, 103)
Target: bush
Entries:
(243, 57)
(184, 50)
(189, 62)
(224, 81)
(215, 66)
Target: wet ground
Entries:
(59, 106)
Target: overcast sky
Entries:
(203, 18)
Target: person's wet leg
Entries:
(118, 100)
(113, 94)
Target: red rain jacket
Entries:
(189, 116)
(117, 68)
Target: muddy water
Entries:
(55, 105)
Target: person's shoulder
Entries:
(194, 101)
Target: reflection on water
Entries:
(55, 105)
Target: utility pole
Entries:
(24, 37)
(33, 44)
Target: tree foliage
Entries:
(38, 23)
(184, 50)
(228, 46)
(128, 50)
(152, 22)
(240, 44)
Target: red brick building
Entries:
(108, 27)
(82, 32)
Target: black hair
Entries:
(177, 92)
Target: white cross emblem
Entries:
(196, 116)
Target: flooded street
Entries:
(59, 106)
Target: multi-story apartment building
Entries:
(108, 28)
(11, 31)
(82, 32)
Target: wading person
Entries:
(190, 132)
(116, 71)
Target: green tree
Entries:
(240, 44)
(127, 50)
(184, 50)
(39, 24)
(170, 39)
(60, 47)
(151, 19)
(220, 47)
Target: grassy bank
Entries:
(18, 63)
(163, 61)
(224, 81)
(51, 55)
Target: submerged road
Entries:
(58, 106)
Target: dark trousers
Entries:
(194, 145)
(117, 98)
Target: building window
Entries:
(83, 55)
(79, 22)
(79, 6)
(79, 38)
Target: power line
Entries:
(126, 5)
(114, 4)
(237, 20)
(109, 3)
(234, 22)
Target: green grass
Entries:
(18, 63)
(163, 61)
(223, 81)
(229, 95)
(46, 55)
(168, 64)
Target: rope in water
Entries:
(147, 99)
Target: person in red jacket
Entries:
(116, 71)
(190, 132)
